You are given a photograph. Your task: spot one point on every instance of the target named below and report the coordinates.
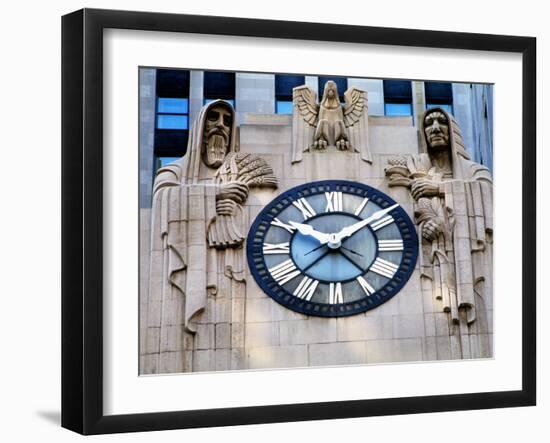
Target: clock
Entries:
(332, 248)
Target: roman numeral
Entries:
(390, 245)
(306, 288)
(384, 267)
(335, 201)
(384, 221)
(278, 248)
(361, 206)
(304, 207)
(284, 272)
(335, 293)
(280, 224)
(365, 285)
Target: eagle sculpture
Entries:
(318, 126)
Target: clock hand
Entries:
(350, 250)
(315, 249)
(309, 230)
(350, 230)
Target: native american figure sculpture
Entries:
(320, 126)
(454, 213)
(197, 229)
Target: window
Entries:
(439, 94)
(172, 113)
(341, 84)
(397, 98)
(219, 85)
(284, 84)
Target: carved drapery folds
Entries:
(453, 211)
(319, 126)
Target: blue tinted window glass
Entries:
(284, 107)
(173, 105)
(172, 121)
(447, 107)
(397, 109)
(167, 160)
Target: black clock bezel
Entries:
(258, 267)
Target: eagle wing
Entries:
(305, 101)
(354, 105)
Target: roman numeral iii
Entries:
(384, 268)
(390, 245)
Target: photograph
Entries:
(298, 220)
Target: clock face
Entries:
(332, 248)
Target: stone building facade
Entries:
(243, 328)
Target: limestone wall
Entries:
(409, 327)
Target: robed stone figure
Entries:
(195, 309)
(454, 214)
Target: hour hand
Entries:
(309, 230)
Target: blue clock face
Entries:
(332, 248)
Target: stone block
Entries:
(171, 338)
(443, 348)
(277, 357)
(429, 325)
(441, 324)
(261, 334)
(205, 336)
(429, 348)
(329, 354)
(204, 361)
(402, 350)
(408, 326)
(149, 364)
(410, 299)
(222, 359)
(238, 359)
(151, 340)
(312, 330)
(237, 335)
(362, 327)
(223, 336)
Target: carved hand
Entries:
(431, 230)
(350, 230)
(309, 230)
(424, 187)
(234, 190)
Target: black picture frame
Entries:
(82, 218)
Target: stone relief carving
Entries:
(454, 213)
(318, 126)
(239, 172)
(198, 224)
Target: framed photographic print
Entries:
(256, 232)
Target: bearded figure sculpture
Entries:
(320, 126)
(197, 225)
(454, 213)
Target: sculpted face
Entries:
(330, 88)
(217, 133)
(436, 128)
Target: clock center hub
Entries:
(334, 242)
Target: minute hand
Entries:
(350, 230)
